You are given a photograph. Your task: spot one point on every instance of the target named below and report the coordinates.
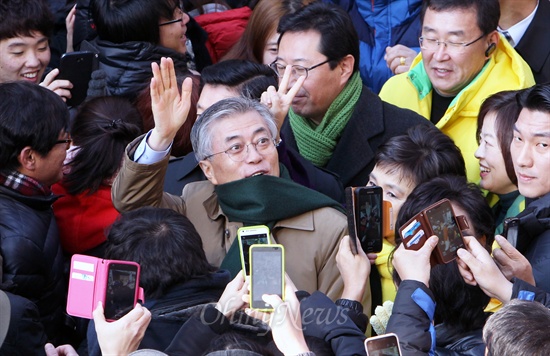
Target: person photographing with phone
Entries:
(438, 293)
(25, 54)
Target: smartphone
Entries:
(383, 345)
(366, 216)
(248, 236)
(114, 283)
(438, 219)
(444, 225)
(77, 67)
(267, 274)
(510, 232)
(121, 294)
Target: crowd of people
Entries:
(204, 117)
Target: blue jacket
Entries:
(379, 24)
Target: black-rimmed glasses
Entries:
(67, 142)
(296, 69)
(177, 19)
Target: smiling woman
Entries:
(495, 124)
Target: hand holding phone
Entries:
(248, 236)
(438, 219)
(365, 218)
(113, 283)
(77, 67)
(267, 274)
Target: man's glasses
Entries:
(238, 152)
(67, 142)
(297, 71)
(431, 44)
(178, 17)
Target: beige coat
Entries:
(310, 239)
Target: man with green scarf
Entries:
(335, 121)
(235, 143)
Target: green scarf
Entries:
(264, 200)
(316, 144)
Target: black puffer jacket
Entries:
(534, 238)
(128, 65)
(33, 261)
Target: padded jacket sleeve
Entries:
(412, 318)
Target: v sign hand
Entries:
(279, 101)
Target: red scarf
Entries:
(23, 184)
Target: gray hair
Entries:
(201, 133)
(518, 328)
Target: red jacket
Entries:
(224, 29)
(82, 219)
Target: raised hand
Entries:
(170, 108)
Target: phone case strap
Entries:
(462, 222)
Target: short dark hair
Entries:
(30, 115)
(536, 98)
(488, 11)
(422, 153)
(338, 35)
(248, 78)
(21, 17)
(506, 110)
(458, 304)
(101, 129)
(121, 21)
(165, 244)
(520, 327)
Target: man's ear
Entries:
(208, 171)
(346, 66)
(27, 159)
(492, 43)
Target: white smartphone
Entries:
(267, 274)
(248, 236)
(383, 345)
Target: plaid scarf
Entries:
(23, 184)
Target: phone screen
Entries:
(369, 217)
(121, 290)
(249, 240)
(444, 226)
(267, 274)
(385, 345)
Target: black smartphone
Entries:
(383, 345)
(121, 292)
(369, 217)
(267, 274)
(510, 232)
(248, 236)
(444, 225)
(77, 67)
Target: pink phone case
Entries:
(88, 284)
